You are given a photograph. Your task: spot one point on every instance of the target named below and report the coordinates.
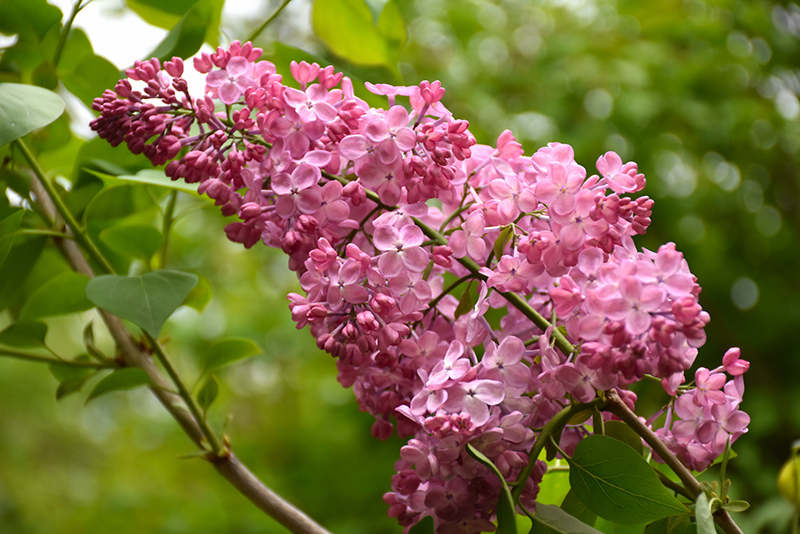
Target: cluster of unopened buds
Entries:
(468, 292)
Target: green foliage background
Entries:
(703, 95)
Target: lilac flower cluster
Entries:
(388, 216)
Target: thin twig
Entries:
(270, 18)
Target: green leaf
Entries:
(466, 302)
(208, 394)
(199, 24)
(24, 334)
(502, 240)
(574, 507)
(25, 251)
(24, 108)
(132, 240)
(66, 293)
(147, 300)
(45, 76)
(149, 177)
(90, 77)
(71, 379)
(347, 27)
(425, 526)
(31, 18)
(224, 352)
(199, 296)
(550, 519)
(622, 432)
(675, 524)
(120, 380)
(506, 514)
(159, 13)
(703, 517)
(736, 506)
(8, 228)
(616, 483)
(115, 203)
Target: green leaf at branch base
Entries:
(71, 379)
(208, 394)
(702, 513)
(147, 300)
(120, 380)
(616, 483)
(24, 108)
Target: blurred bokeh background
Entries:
(703, 95)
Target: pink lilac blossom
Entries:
(390, 217)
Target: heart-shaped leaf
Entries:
(147, 300)
(120, 380)
(24, 108)
(616, 483)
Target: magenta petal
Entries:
(355, 294)
(308, 201)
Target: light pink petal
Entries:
(308, 200)
(376, 130)
(238, 66)
(324, 111)
(387, 152)
(405, 139)
(397, 117)
(411, 235)
(353, 147)
(216, 78)
(295, 97)
(318, 158)
(385, 237)
(229, 93)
